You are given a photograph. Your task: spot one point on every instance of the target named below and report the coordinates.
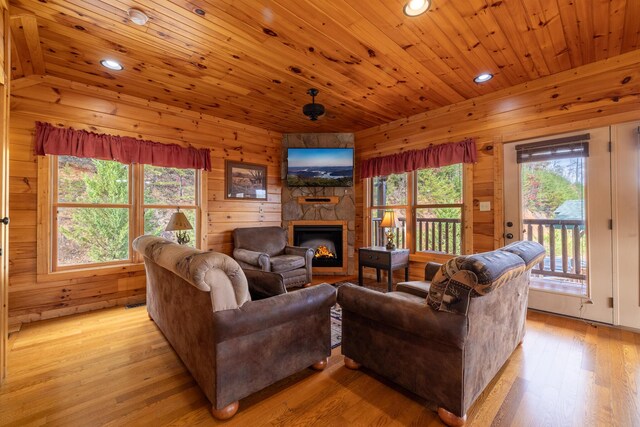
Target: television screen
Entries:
(320, 167)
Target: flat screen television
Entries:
(320, 167)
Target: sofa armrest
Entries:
(307, 253)
(264, 284)
(405, 312)
(256, 316)
(259, 259)
(430, 270)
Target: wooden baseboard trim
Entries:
(84, 308)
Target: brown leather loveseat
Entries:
(447, 342)
(232, 346)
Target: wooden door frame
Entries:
(626, 205)
(4, 189)
(567, 303)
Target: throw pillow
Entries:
(458, 292)
(441, 280)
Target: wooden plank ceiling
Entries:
(252, 61)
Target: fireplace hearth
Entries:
(325, 240)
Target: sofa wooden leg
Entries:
(319, 366)
(450, 419)
(226, 412)
(351, 364)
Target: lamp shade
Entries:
(178, 222)
(388, 220)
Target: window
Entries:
(97, 211)
(428, 205)
(93, 210)
(438, 209)
(389, 193)
(166, 189)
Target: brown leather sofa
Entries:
(266, 249)
(232, 346)
(447, 341)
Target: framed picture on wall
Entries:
(245, 181)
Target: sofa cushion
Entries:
(286, 262)
(530, 252)
(211, 272)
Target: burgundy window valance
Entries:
(430, 157)
(80, 143)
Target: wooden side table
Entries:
(381, 258)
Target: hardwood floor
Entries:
(113, 367)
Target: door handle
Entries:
(509, 236)
(5, 220)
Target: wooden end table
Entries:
(381, 258)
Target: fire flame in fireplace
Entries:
(323, 252)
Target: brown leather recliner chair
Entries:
(447, 341)
(266, 249)
(232, 346)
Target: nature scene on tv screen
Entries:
(320, 167)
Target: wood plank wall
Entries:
(33, 297)
(597, 94)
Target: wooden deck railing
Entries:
(432, 234)
(439, 235)
(562, 238)
(568, 234)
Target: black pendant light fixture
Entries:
(313, 110)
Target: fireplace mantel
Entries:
(343, 224)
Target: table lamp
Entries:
(389, 222)
(180, 224)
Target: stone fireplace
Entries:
(320, 206)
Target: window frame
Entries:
(415, 206)
(141, 206)
(47, 227)
(466, 206)
(406, 207)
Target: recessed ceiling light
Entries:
(199, 11)
(137, 16)
(112, 65)
(484, 77)
(416, 7)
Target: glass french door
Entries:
(626, 161)
(558, 192)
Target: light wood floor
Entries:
(113, 367)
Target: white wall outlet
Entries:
(485, 206)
